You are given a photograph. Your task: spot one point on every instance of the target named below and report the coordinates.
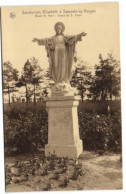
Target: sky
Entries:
(99, 20)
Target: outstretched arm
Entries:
(83, 34)
(79, 36)
(39, 41)
(74, 38)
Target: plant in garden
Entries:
(65, 168)
(38, 165)
(46, 170)
(24, 133)
(66, 181)
(48, 186)
(77, 170)
(63, 162)
(33, 171)
(52, 165)
(75, 174)
(53, 156)
(26, 130)
(56, 176)
(100, 132)
(43, 159)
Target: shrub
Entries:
(17, 109)
(26, 132)
(26, 129)
(100, 132)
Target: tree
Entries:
(36, 75)
(10, 77)
(23, 81)
(107, 78)
(81, 78)
(46, 83)
(32, 74)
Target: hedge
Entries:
(27, 130)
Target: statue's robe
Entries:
(61, 56)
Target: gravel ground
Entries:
(98, 172)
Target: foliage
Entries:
(106, 81)
(32, 74)
(25, 171)
(100, 107)
(13, 111)
(77, 170)
(100, 132)
(10, 76)
(26, 130)
(66, 181)
(81, 78)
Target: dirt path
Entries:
(100, 173)
(104, 172)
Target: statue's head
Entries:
(59, 28)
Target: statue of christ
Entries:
(61, 53)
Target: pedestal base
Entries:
(63, 130)
(72, 151)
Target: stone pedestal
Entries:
(63, 131)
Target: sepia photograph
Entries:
(61, 86)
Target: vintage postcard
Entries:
(62, 97)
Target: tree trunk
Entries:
(9, 94)
(82, 96)
(111, 94)
(102, 95)
(26, 95)
(34, 96)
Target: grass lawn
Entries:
(91, 171)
